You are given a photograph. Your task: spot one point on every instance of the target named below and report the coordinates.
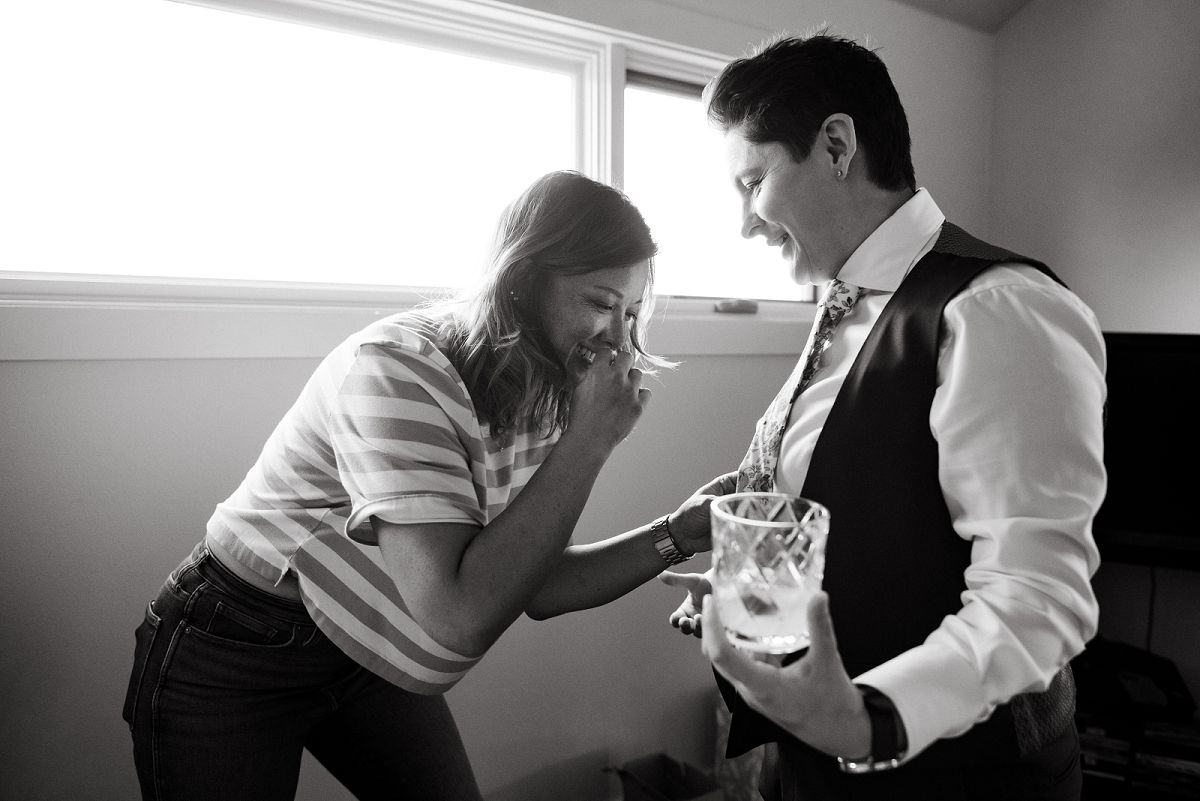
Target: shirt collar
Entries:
(884, 258)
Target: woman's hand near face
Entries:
(607, 402)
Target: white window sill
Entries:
(59, 318)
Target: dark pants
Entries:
(230, 684)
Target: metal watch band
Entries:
(664, 543)
(887, 747)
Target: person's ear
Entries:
(838, 141)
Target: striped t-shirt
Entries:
(383, 428)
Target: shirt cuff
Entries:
(407, 509)
(936, 693)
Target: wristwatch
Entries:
(665, 544)
(888, 740)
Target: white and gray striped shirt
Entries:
(383, 428)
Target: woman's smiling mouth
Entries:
(587, 355)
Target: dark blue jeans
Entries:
(230, 684)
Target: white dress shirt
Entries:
(1017, 419)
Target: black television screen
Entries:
(1151, 512)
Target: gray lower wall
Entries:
(111, 468)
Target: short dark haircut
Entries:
(786, 89)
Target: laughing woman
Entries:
(416, 499)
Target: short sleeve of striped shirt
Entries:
(403, 431)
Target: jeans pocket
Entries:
(143, 643)
(238, 626)
(233, 624)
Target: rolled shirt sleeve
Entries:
(398, 427)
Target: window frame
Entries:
(53, 316)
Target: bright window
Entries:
(327, 155)
(675, 172)
(164, 139)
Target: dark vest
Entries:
(894, 564)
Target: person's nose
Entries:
(616, 334)
(751, 222)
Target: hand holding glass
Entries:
(769, 559)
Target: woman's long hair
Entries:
(563, 224)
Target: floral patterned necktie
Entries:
(757, 471)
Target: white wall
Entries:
(951, 125)
(1097, 172)
(1097, 153)
(109, 469)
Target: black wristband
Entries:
(885, 737)
(888, 740)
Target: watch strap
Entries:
(665, 543)
(888, 741)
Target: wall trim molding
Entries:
(86, 328)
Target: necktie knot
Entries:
(837, 302)
(839, 299)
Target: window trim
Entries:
(46, 316)
(647, 80)
(128, 320)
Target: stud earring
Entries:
(515, 297)
(837, 173)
